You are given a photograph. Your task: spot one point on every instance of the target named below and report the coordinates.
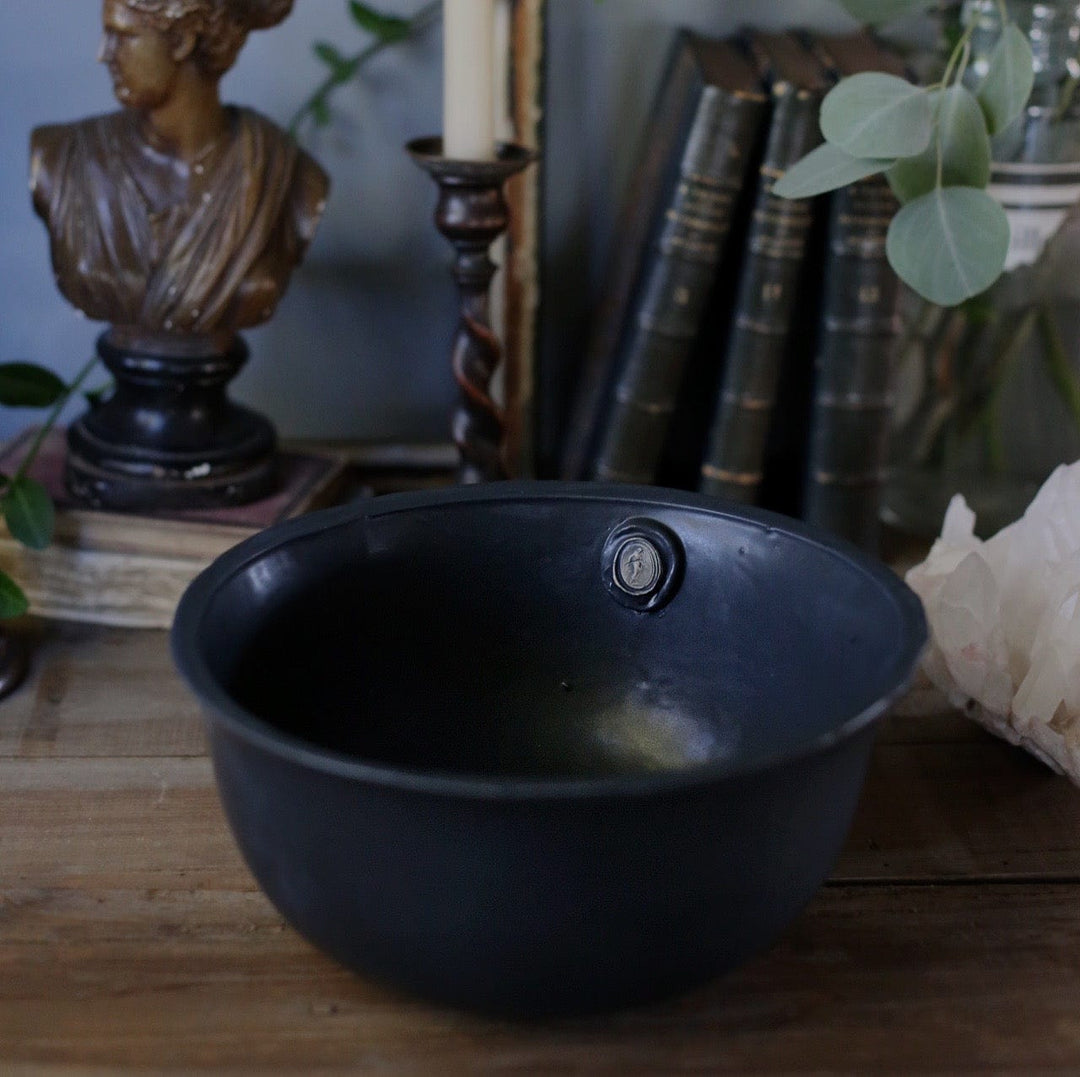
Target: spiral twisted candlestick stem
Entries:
(472, 213)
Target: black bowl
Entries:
(543, 748)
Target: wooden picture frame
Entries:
(515, 296)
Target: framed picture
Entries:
(516, 289)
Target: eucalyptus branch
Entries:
(934, 146)
(958, 58)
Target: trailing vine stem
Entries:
(50, 421)
(344, 69)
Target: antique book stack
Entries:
(130, 570)
(748, 352)
(774, 266)
(701, 146)
(857, 338)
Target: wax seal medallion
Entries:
(637, 568)
(642, 564)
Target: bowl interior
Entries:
(478, 635)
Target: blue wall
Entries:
(358, 347)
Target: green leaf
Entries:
(328, 53)
(874, 115)
(913, 176)
(27, 385)
(950, 244)
(825, 169)
(964, 143)
(341, 67)
(873, 12)
(29, 513)
(388, 28)
(1009, 79)
(13, 602)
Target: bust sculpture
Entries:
(178, 220)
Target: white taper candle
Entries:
(469, 79)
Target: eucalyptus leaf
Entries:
(27, 385)
(13, 602)
(950, 244)
(1010, 76)
(873, 12)
(875, 115)
(962, 140)
(29, 513)
(825, 168)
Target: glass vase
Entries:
(988, 393)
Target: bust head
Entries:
(145, 41)
(177, 215)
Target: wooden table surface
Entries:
(133, 938)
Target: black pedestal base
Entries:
(169, 438)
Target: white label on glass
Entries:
(1036, 199)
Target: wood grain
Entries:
(870, 979)
(133, 938)
(98, 691)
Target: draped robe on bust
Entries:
(177, 269)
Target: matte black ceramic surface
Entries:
(543, 748)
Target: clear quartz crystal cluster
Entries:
(1004, 620)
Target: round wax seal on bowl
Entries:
(642, 564)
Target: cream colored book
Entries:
(130, 570)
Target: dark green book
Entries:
(727, 109)
(859, 328)
(765, 306)
(652, 182)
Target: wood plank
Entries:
(96, 691)
(128, 823)
(870, 978)
(964, 810)
(132, 935)
(929, 813)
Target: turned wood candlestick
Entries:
(472, 212)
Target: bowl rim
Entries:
(221, 710)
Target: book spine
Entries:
(853, 368)
(688, 253)
(734, 461)
(656, 172)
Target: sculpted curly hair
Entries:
(221, 26)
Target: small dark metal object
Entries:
(168, 437)
(616, 804)
(472, 213)
(13, 663)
